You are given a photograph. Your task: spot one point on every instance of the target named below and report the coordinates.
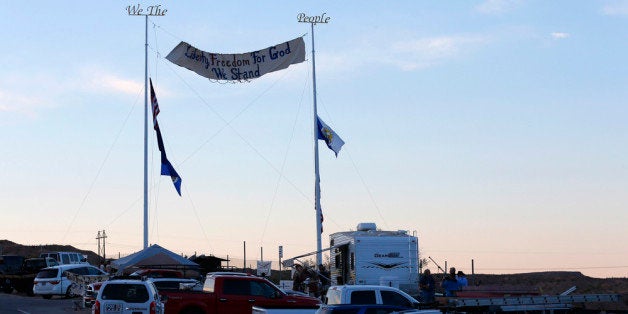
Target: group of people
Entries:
(318, 280)
(451, 283)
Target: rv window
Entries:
(394, 298)
(352, 261)
(363, 297)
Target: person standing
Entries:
(450, 283)
(462, 279)
(298, 278)
(427, 286)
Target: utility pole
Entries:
(280, 257)
(102, 236)
(98, 237)
(104, 256)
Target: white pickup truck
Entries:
(338, 297)
(369, 294)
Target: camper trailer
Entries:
(369, 256)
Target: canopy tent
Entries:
(153, 256)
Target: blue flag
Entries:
(333, 141)
(166, 167)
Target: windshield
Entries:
(127, 292)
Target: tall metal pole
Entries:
(104, 252)
(98, 238)
(317, 179)
(146, 135)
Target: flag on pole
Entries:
(322, 220)
(333, 141)
(166, 167)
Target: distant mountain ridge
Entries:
(556, 282)
(11, 248)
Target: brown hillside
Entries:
(11, 248)
(556, 282)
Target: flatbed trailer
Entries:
(542, 303)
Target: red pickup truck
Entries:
(234, 294)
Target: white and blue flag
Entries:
(333, 141)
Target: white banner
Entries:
(263, 268)
(238, 67)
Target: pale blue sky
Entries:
(497, 130)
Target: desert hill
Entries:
(11, 248)
(556, 282)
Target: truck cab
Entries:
(234, 294)
(369, 294)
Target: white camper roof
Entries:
(369, 229)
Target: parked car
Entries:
(158, 273)
(21, 278)
(91, 292)
(54, 281)
(126, 296)
(38, 263)
(175, 284)
(10, 266)
(65, 258)
(10, 263)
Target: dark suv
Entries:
(10, 268)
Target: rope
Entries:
(102, 165)
(355, 167)
(294, 125)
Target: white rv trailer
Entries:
(374, 257)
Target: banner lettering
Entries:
(238, 67)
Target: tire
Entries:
(47, 296)
(68, 293)
(192, 311)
